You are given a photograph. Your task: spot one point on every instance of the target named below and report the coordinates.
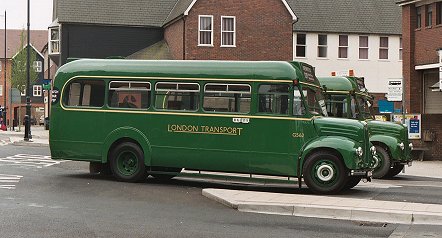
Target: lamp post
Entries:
(4, 84)
(28, 86)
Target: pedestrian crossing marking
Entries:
(36, 161)
(6, 178)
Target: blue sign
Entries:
(414, 125)
(397, 110)
(386, 106)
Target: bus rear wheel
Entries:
(397, 168)
(127, 162)
(325, 173)
(352, 182)
(382, 165)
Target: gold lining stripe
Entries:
(207, 133)
(186, 114)
(312, 85)
(340, 92)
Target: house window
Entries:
(383, 47)
(205, 36)
(228, 34)
(400, 48)
(429, 15)
(343, 47)
(322, 46)
(439, 13)
(418, 17)
(363, 47)
(36, 90)
(54, 40)
(300, 45)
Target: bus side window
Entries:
(298, 107)
(177, 96)
(227, 98)
(85, 93)
(129, 94)
(273, 99)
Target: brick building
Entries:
(422, 68)
(172, 29)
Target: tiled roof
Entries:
(348, 16)
(39, 38)
(115, 12)
(178, 10)
(157, 51)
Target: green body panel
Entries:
(266, 144)
(387, 134)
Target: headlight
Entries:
(373, 150)
(411, 146)
(402, 146)
(359, 151)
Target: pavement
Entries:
(40, 136)
(334, 207)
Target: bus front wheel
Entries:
(382, 165)
(127, 162)
(325, 173)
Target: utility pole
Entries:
(4, 85)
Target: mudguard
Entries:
(390, 142)
(131, 133)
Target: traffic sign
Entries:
(394, 90)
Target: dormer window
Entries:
(54, 40)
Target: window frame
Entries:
(37, 90)
(384, 48)
(401, 49)
(129, 89)
(80, 80)
(301, 45)
(428, 15)
(225, 31)
(364, 47)
(289, 99)
(419, 17)
(322, 46)
(342, 47)
(227, 91)
(1, 89)
(177, 89)
(56, 41)
(211, 30)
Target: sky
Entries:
(16, 14)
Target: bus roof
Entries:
(268, 70)
(336, 83)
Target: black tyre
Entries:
(382, 166)
(397, 168)
(352, 182)
(324, 173)
(167, 175)
(127, 162)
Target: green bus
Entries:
(140, 118)
(347, 97)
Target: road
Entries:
(40, 197)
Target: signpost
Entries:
(394, 90)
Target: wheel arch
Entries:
(389, 143)
(127, 134)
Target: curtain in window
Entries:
(228, 31)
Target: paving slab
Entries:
(353, 209)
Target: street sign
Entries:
(385, 106)
(46, 86)
(394, 90)
(413, 122)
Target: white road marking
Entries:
(38, 161)
(6, 178)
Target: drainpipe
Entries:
(184, 38)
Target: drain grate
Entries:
(373, 224)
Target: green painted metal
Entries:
(387, 134)
(263, 143)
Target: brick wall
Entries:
(263, 31)
(173, 35)
(419, 48)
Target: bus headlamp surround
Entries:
(359, 151)
(411, 146)
(402, 146)
(373, 150)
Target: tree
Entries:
(19, 74)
